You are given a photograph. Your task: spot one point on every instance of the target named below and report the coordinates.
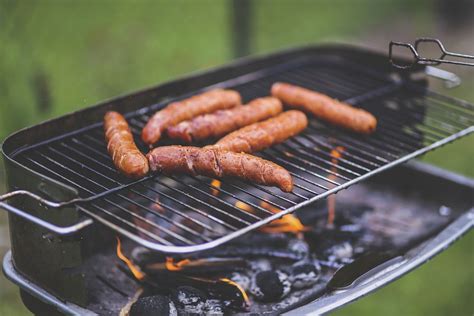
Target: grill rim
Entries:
(299, 53)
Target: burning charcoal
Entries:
(142, 256)
(270, 286)
(304, 274)
(299, 246)
(340, 252)
(241, 279)
(260, 265)
(153, 305)
(263, 240)
(351, 228)
(214, 307)
(191, 299)
(249, 251)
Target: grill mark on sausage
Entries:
(187, 109)
(121, 146)
(174, 159)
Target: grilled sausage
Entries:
(121, 146)
(264, 134)
(326, 108)
(219, 123)
(176, 112)
(219, 164)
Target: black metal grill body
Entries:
(65, 158)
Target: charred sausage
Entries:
(220, 123)
(187, 109)
(121, 146)
(264, 134)
(216, 163)
(326, 108)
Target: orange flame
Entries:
(241, 289)
(244, 206)
(137, 273)
(157, 206)
(287, 224)
(336, 153)
(172, 266)
(217, 184)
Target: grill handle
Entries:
(61, 230)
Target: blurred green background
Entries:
(60, 56)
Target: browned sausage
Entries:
(219, 164)
(326, 108)
(219, 123)
(264, 134)
(187, 109)
(121, 146)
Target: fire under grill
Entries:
(182, 214)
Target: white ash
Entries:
(214, 307)
(191, 299)
(304, 274)
(260, 265)
(299, 246)
(241, 279)
(341, 251)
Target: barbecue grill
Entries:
(64, 187)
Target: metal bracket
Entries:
(450, 80)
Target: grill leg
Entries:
(36, 306)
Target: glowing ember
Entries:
(217, 184)
(157, 206)
(244, 206)
(137, 273)
(287, 224)
(336, 153)
(244, 294)
(172, 266)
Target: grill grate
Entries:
(183, 213)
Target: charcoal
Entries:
(263, 240)
(270, 286)
(299, 246)
(214, 307)
(304, 274)
(153, 305)
(340, 252)
(142, 256)
(247, 251)
(260, 265)
(190, 299)
(241, 279)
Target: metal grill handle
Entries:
(468, 60)
(61, 230)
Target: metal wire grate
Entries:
(185, 214)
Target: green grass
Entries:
(64, 56)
